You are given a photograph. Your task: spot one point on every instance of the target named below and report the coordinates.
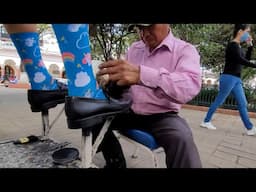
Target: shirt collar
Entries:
(167, 42)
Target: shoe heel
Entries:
(41, 100)
(87, 123)
(35, 109)
(47, 106)
(44, 107)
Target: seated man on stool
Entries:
(161, 73)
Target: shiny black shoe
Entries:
(114, 91)
(41, 100)
(85, 113)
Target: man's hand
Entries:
(119, 71)
(102, 80)
(250, 41)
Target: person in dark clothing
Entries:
(230, 79)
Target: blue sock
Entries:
(74, 44)
(27, 45)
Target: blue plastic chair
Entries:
(143, 140)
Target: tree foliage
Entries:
(211, 41)
(109, 40)
(41, 28)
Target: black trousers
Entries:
(170, 131)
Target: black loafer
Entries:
(85, 113)
(115, 91)
(40, 100)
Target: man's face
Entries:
(154, 34)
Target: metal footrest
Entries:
(88, 150)
(46, 123)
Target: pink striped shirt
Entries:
(169, 75)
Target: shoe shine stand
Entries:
(46, 123)
(88, 150)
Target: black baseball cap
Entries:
(132, 26)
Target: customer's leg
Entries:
(26, 40)
(74, 44)
(86, 104)
(239, 95)
(86, 107)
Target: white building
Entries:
(10, 63)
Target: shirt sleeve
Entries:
(180, 85)
(248, 54)
(236, 52)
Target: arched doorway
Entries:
(9, 72)
(54, 70)
(63, 75)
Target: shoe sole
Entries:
(250, 134)
(47, 105)
(207, 127)
(90, 122)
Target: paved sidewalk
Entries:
(226, 147)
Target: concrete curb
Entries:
(219, 110)
(20, 85)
